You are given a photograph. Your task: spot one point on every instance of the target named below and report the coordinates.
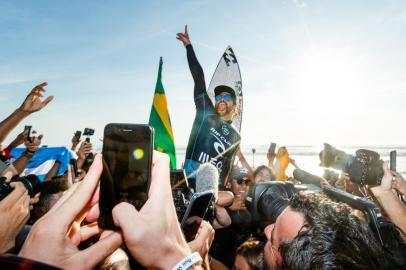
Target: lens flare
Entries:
(138, 154)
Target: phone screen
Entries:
(272, 147)
(27, 130)
(200, 208)
(393, 160)
(127, 161)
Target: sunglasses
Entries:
(241, 181)
(226, 97)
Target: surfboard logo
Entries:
(229, 56)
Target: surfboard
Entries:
(228, 73)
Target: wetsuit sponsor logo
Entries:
(204, 158)
(225, 130)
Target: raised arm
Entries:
(32, 103)
(194, 66)
(387, 199)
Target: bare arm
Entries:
(22, 161)
(387, 199)
(32, 103)
(194, 65)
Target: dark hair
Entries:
(260, 168)
(253, 252)
(48, 190)
(332, 238)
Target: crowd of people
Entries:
(55, 226)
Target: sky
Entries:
(312, 71)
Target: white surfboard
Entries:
(228, 73)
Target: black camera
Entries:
(266, 201)
(181, 192)
(88, 132)
(183, 196)
(31, 183)
(365, 168)
(89, 158)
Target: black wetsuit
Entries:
(212, 139)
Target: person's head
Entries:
(263, 174)
(314, 232)
(239, 181)
(282, 151)
(249, 255)
(51, 192)
(225, 102)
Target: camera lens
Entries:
(31, 183)
(5, 188)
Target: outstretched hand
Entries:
(184, 37)
(33, 102)
(153, 235)
(62, 225)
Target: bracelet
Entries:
(188, 261)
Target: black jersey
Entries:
(212, 139)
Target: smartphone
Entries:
(393, 160)
(272, 148)
(127, 160)
(200, 208)
(178, 179)
(77, 135)
(27, 130)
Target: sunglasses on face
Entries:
(241, 181)
(226, 97)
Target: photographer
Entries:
(313, 232)
(388, 200)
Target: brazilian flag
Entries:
(159, 119)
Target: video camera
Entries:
(365, 168)
(266, 201)
(31, 183)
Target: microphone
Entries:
(207, 178)
(308, 178)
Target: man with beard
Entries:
(213, 138)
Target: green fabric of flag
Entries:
(160, 120)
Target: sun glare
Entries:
(329, 78)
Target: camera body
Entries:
(31, 183)
(267, 200)
(365, 168)
(88, 132)
(182, 195)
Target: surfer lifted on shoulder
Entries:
(213, 137)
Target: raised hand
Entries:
(184, 37)
(33, 102)
(399, 183)
(14, 212)
(62, 225)
(34, 144)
